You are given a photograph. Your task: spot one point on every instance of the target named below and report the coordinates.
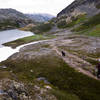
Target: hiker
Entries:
(98, 69)
(63, 53)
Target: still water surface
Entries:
(10, 35)
(7, 36)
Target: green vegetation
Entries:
(92, 61)
(41, 28)
(59, 74)
(29, 39)
(4, 74)
(90, 27)
(8, 24)
(80, 18)
(27, 27)
(80, 28)
(95, 31)
(93, 21)
(98, 6)
(62, 24)
(75, 20)
(61, 95)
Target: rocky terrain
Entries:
(43, 66)
(78, 12)
(40, 72)
(89, 7)
(13, 90)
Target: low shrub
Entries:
(75, 20)
(62, 24)
(89, 24)
(98, 6)
(8, 23)
(41, 28)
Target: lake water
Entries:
(10, 35)
(7, 36)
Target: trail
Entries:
(74, 62)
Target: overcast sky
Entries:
(36, 6)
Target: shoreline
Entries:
(12, 51)
(11, 35)
(28, 39)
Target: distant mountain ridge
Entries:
(11, 13)
(40, 17)
(11, 18)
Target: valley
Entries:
(36, 68)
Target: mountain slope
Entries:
(10, 18)
(90, 7)
(79, 9)
(81, 16)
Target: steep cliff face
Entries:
(89, 7)
(79, 12)
(10, 18)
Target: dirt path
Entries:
(74, 61)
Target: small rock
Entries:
(47, 87)
(43, 79)
(31, 71)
